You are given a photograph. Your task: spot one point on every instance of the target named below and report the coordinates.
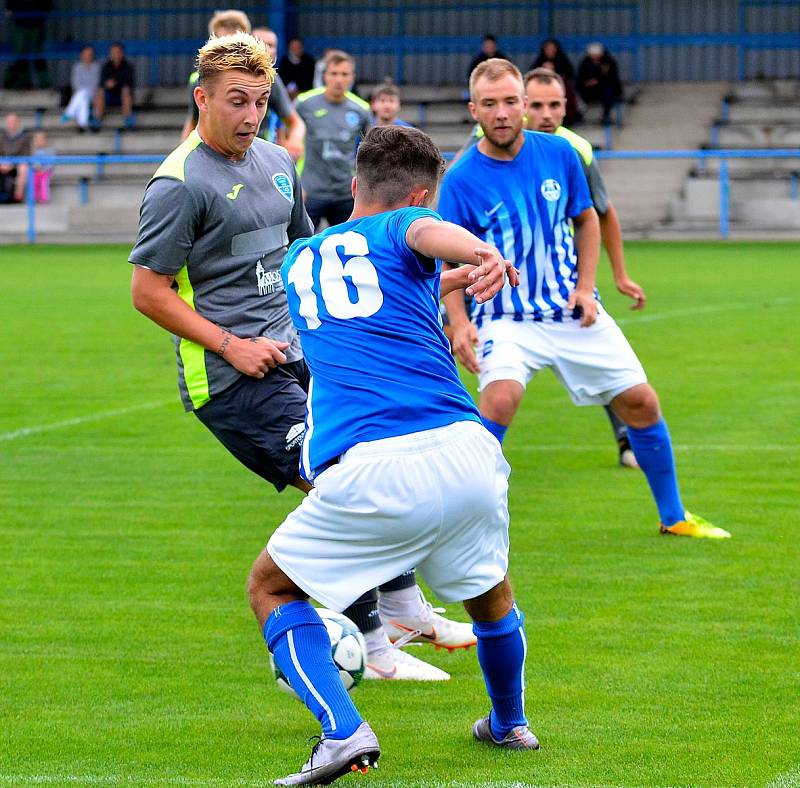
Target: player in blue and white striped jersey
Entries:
(525, 191)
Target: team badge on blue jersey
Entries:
(551, 190)
(283, 185)
(352, 118)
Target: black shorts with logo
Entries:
(261, 421)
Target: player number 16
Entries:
(332, 285)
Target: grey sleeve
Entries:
(168, 220)
(300, 226)
(597, 187)
(279, 101)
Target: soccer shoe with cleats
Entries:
(692, 525)
(333, 758)
(519, 738)
(428, 626)
(392, 663)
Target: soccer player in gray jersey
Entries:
(336, 120)
(280, 105)
(216, 220)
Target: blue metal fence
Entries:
(392, 36)
(701, 156)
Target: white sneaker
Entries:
(392, 663)
(429, 627)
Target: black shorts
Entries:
(335, 211)
(261, 421)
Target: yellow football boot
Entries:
(692, 525)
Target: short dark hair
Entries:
(544, 76)
(385, 90)
(392, 161)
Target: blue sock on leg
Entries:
(498, 430)
(501, 655)
(301, 648)
(653, 449)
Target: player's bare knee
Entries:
(491, 605)
(638, 407)
(268, 587)
(499, 401)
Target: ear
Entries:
(471, 106)
(201, 98)
(419, 198)
(353, 188)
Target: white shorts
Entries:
(595, 364)
(435, 500)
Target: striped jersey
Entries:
(523, 207)
(366, 307)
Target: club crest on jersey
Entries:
(351, 118)
(551, 190)
(283, 185)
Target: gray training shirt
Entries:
(333, 131)
(222, 228)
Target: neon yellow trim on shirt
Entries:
(309, 94)
(357, 100)
(583, 146)
(174, 166)
(193, 355)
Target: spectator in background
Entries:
(116, 87)
(84, 81)
(42, 173)
(282, 124)
(598, 79)
(385, 106)
(14, 141)
(552, 56)
(488, 49)
(296, 68)
(27, 20)
(336, 119)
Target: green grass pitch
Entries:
(128, 654)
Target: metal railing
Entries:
(700, 156)
(402, 36)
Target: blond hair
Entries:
(493, 69)
(239, 51)
(336, 56)
(227, 21)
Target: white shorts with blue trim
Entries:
(594, 364)
(435, 500)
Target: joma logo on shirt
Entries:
(234, 192)
(268, 281)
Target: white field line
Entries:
(733, 447)
(59, 425)
(648, 317)
(788, 779)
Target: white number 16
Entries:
(333, 271)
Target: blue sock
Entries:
(301, 648)
(498, 430)
(653, 449)
(501, 655)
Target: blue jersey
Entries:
(367, 310)
(523, 207)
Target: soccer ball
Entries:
(348, 649)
